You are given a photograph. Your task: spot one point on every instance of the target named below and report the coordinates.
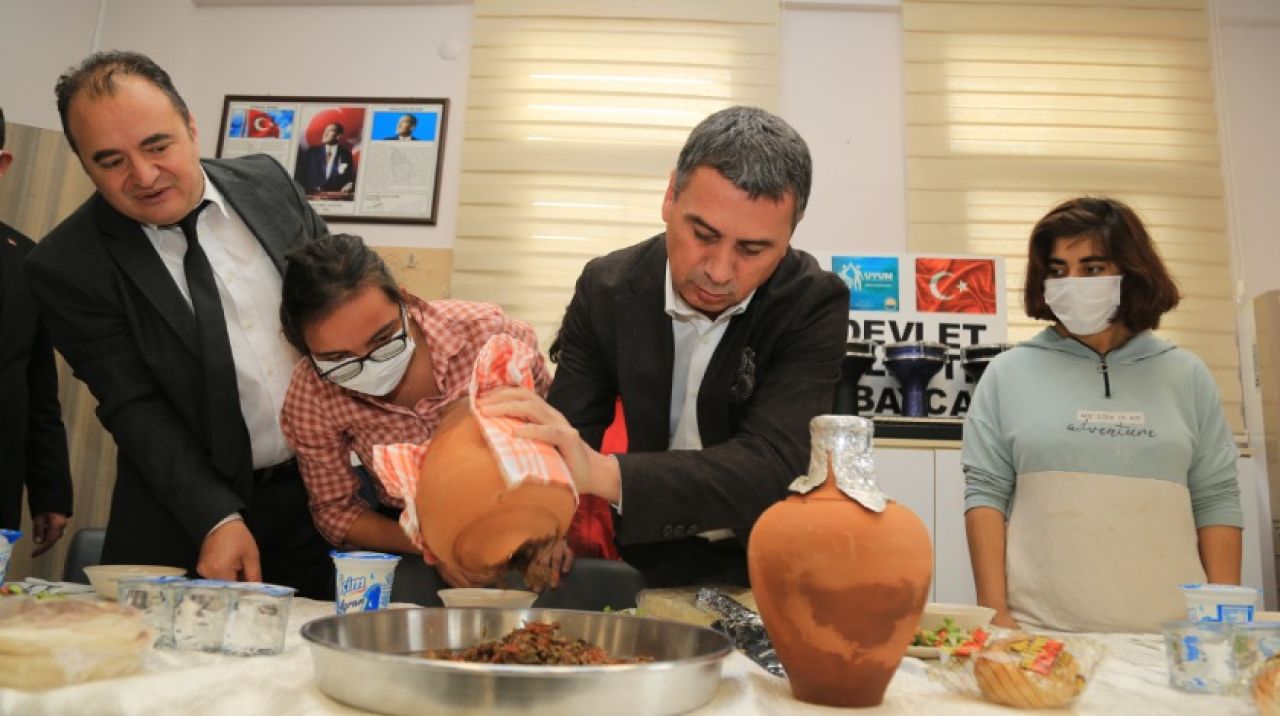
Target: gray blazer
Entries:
(118, 318)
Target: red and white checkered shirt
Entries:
(325, 422)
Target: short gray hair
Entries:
(755, 150)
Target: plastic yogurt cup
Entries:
(1219, 602)
(7, 538)
(363, 580)
(1199, 656)
(258, 620)
(157, 599)
(200, 614)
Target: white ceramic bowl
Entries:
(478, 597)
(105, 577)
(965, 616)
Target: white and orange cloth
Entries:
(503, 361)
(397, 469)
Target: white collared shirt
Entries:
(249, 290)
(330, 155)
(695, 337)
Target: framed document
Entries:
(358, 159)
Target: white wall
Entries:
(1248, 53)
(852, 118)
(38, 40)
(1247, 64)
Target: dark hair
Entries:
(1147, 291)
(96, 76)
(323, 274)
(757, 151)
(413, 120)
(341, 129)
(1, 127)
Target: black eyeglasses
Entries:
(347, 370)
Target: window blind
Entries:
(576, 111)
(1013, 107)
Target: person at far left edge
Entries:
(162, 291)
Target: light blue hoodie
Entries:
(1147, 409)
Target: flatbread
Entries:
(58, 642)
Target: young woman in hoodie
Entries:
(1099, 471)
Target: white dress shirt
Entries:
(249, 290)
(330, 154)
(695, 337)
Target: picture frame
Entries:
(358, 159)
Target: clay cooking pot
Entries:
(470, 518)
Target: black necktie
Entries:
(228, 436)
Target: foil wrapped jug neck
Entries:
(840, 446)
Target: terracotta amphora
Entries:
(471, 520)
(840, 573)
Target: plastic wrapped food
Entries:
(1255, 647)
(1023, 670)
(1266, 688)
(45, 644)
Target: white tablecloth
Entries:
(1132, 679)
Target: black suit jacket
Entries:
(119, 319)
(33, 442)
(774, 369)
(310, 170)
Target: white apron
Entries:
(1099, 553)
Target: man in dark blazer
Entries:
(722, 342)
(328, 166)
(33, 442)
(162, 291)
(404, 129)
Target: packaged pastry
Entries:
(1025, 671)
(1266, 688)
(51, 643)
(1028, 673)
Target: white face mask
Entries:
(375, 378)
(1084, 305)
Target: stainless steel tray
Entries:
(366, 660)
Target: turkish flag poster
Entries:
(951, 285)
(958, 301)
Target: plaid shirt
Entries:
(325, 423)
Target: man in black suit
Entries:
(722, 342)
(33, 443)
(404, 129)
(328, 166)
(162, 291)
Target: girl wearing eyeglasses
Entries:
(379, 366)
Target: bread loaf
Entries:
(66, 641)
(1028, 672)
